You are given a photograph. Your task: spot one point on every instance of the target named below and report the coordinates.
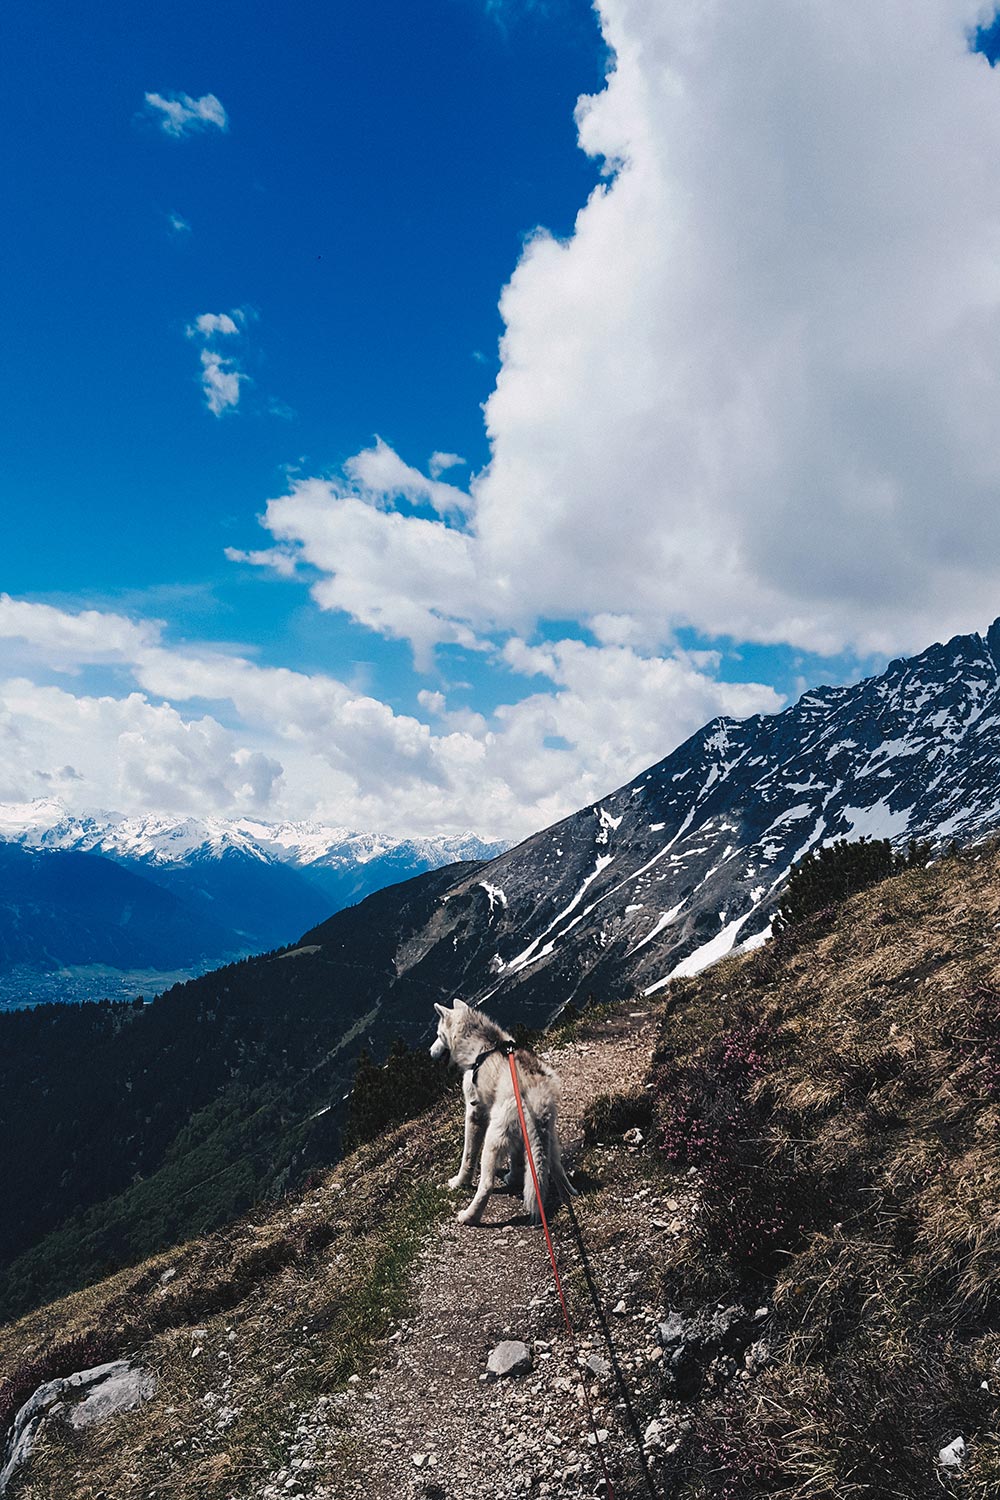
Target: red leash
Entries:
(555, 1270)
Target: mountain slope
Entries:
(657, 879)
(121, 1129)
(60, 909)
(806, 1304)
(671, 871)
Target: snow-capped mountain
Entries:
(685, 862)
(159, 840)
(242, 885)
(657, 879)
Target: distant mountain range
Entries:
(81, 895)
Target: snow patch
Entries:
(876, 822)
(495, 893)
(532, 953)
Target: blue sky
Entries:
(724, 436)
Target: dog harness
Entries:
(507, 1048)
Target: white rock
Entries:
(510, 1357)
(952, 1454)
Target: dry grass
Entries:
(257, 1320)
(864, 1107)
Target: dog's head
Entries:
(448, 1023)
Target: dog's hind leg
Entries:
(496, 1135)
(514, 1181)
(475, 1126)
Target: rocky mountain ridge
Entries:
(686, 861)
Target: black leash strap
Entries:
(595, 1297)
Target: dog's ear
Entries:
(442, 1012)
(461, 1005)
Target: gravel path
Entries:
(432, 1423)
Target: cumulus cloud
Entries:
(204, 730)
(381, 474)
(180, 115)
(403, 575)
(755, 392)
(66, 641)
(209, 324)
(129, 754)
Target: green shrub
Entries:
(825, 877)
(406, 1084)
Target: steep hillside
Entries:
(124, 1129)
(794, 1224)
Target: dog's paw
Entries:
(467, 1216)
(457, 1182)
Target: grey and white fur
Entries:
(491, 1121)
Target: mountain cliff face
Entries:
(685, 862)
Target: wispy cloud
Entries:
(441, 461)
(180, 115)
(221, 374)
(220, 380)
(178, 223)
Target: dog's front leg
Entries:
(474, 1128)
(495, 1136)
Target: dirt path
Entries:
(431, 1424)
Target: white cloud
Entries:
(756, 391)
(381, 474)
(438, 462)
(128, 754)
(285, 564)
(209, 324)
(401, 575)
(66, 641)
(204, 730)
(178, 223)
(220, 380)
(179, 115)
(221, 374)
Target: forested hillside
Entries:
(124, 1128)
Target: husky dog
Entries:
(479, 1046)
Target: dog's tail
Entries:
(553, 1183)
(557, 1171)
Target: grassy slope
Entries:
(836, 1099)
(831, 1104)
(280, 1307)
